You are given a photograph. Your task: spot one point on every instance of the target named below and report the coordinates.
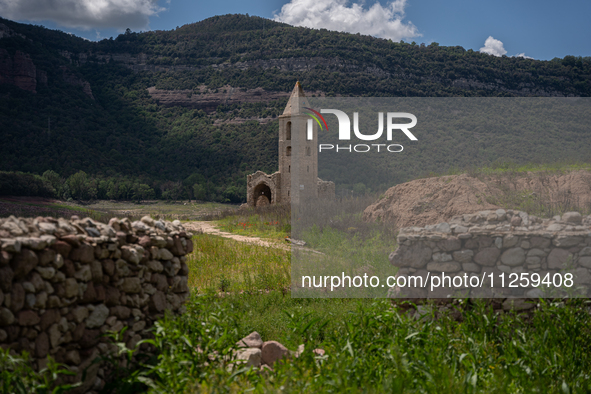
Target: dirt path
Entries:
(209, 228)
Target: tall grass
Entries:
(224, 265)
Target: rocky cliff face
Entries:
(72, 79)
(208, 101)
(18, 70)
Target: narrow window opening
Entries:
(288, 131)
(288, 151)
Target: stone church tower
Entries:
(297, 178)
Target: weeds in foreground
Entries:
(370, 347)
(18, 376)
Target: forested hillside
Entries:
(69, 105)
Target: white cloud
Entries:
(83, 14)
(523, 56)
(493, 47)
(377, 20)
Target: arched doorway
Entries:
(262, 195)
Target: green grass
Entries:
(270, 222)
(371, 345)
(224, 265)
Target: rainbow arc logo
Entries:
(315, 115)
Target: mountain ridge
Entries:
(100, 107)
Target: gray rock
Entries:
(6, 317)
(84, 274)
(460, 229)
(504, 268)
(139, 226)
(585, 261)
(524, 218)
(450, 244)
(415, 256)
(96, 270)
(443, 228)
(97, 317)
(471, 267)
(47, 228)
(130, 254)
(28, 318)
(585, 251)
(30, 300)
(131, 285)
(164, 254)
(23, 263)
(273, 351)
(566, 241)
(148, 220)
(499, 242)
(11, 245)
(555, 227)
(29, 287)
(510, 240)
(139, 326)
(449, 266)
(463, 256)
(122, 268)
(73, 357)
(251, 340)
(581, 276)
(536, 253)
(41, 300)
(513, 257)
(80, 313)
(46, 272)
(441, 257)
(487, 256)
(55, 336)
(251, 357)
(557, 258)
(71, 287)
(572, 217)
(155, 265)
(535, 293)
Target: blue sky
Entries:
(541, 29)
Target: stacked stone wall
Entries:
(65, 283)
(497, 242)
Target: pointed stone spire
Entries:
(297, 100)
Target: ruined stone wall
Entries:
(326, 189)
(64, 283)
(496, 242)
(273, 181)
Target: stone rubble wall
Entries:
(64, 283)
(501, 241)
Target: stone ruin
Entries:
(64, 283)
(501, 241)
